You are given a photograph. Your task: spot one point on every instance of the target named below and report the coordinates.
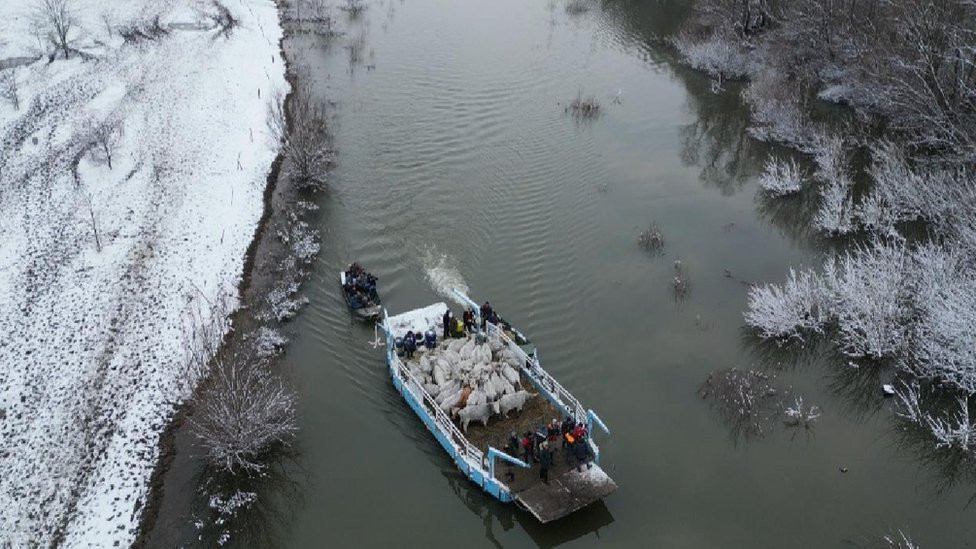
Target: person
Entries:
(528, 454)
(512, 449)
(458, 327)
(545, 461)
(446, 319)
(567, 428)
(553, 431)
(487, 313)
(468, 317)
(371, 286)
(579, 432)
(582, 452)
(410, 343)
(355, 301)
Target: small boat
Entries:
(472, 391)
(364, 304)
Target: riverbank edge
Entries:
(248, 301)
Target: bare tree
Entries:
(56, 18)
(243, 412)
(8, 87)
(105, 139)
(300, 125)
(243, 409)
(221, 18)
(94, 224)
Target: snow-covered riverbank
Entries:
(103, 268)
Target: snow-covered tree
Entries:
(788, 310)
(781, 177)
(836, 213)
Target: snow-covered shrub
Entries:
(956, 430)
(836, 212)
(777, 111)
(715, 55)
(800, 414)
(787, 310)
(781, 177)
(915, 305)
(242, 413)
(944, 336)
(283, 302)
(952, 427)
(870, 293)
(268, 342)
(895, 190)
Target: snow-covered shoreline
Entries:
(92, 362)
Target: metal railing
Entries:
(440, 417)
(558, 392)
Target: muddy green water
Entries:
(458, 165)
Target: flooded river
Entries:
(458, 165)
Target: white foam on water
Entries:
(443, 275)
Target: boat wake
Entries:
(443, 275)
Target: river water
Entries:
(457, 165)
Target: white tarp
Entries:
(418, 320)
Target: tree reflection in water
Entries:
(268, 503)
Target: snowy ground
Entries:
(93, 348)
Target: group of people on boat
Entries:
(540, 446)
(360, 286)
(411, 340)
(468, 322)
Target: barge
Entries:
(474, 392)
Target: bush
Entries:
(781, 178)
(836, 214)
(243, 412)
(300, 125)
